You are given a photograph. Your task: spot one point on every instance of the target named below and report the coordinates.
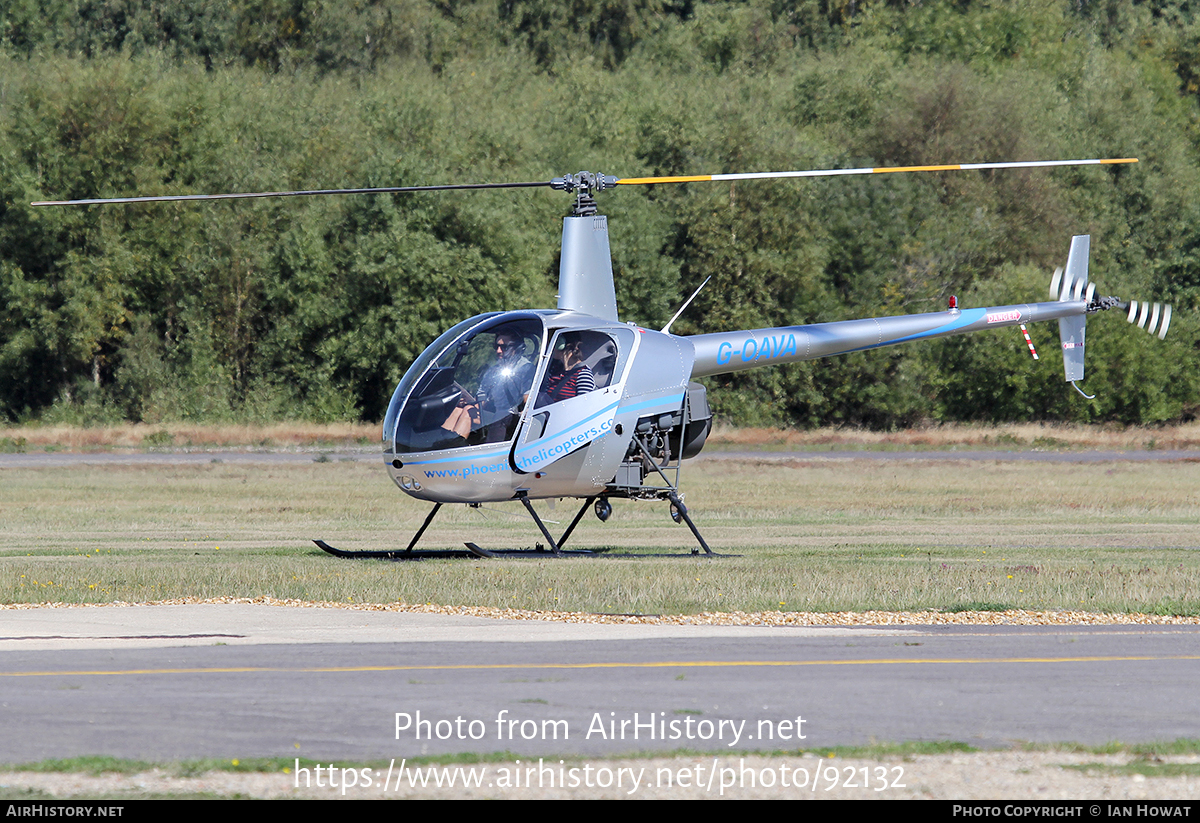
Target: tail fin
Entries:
(1075, 286)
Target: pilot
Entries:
(502, 390)
(504, 387)
(568, 376)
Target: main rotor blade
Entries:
(308, 193)
(629, 181)
(1030, 164)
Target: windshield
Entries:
(469, 387)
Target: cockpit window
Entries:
(474, 389)
(580, 362)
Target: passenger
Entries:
(568, 376)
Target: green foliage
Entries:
(313, 309)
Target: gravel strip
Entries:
(1010, 617)
(1011, 775)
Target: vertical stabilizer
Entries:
(1071, 330)
(585, 275)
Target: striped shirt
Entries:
(577, 381)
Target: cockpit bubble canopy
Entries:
(469, 387)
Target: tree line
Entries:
(313, 308)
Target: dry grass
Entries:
(951, 435)
(814, 536)
(187, 435)
(301, 435)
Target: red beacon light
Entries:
(953, 303)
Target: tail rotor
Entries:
(1149, 316)
(1072, 285)
(1155, 318)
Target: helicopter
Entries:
(572, 402)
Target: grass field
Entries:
(813, 536)
(335, 435)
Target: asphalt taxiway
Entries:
(179, 682)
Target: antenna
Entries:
(686, 303)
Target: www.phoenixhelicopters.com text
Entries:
(638, 726)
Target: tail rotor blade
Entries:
(1064, 292)
(1166, 322)
(1153, 317)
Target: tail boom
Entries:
(726, 352)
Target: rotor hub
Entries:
(585, 180)
(584, 184)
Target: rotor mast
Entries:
(585, 275)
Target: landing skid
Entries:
(471, 550)
(678, 513)
(394, 554)
(538, 551)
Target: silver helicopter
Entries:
(574, 403)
